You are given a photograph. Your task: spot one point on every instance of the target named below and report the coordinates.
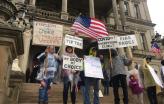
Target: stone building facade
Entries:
(122, 17)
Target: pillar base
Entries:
(2, 96)
(64, 16)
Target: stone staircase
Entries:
(29, 95)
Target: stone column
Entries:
(64, 14)
(23, 59)
(32, 2)
(3, 75)
(130, 56)
(122, 13)
(91, 8)
(146, 10)
(121, 51)
(64, 6)
(5, 57)
(115, 13)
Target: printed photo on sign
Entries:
(72, 63)
(47, 34)
(74, 41)
(92, 67)
(127, 41)
(107, 42)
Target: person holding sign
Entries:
(92, 81)
(46, 74)
(118, 75)
(148, 80)
(70, 78)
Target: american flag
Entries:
(155, 48)
(89, 26)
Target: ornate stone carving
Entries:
(7, 9)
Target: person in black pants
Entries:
(118, 75)
(67, 85)
(151, 92)
(148, 80)
(70, 79)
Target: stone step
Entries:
(29, 95)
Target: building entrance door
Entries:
(33, 63)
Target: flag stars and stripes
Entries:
(90, 27)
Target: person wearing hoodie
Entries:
(70, 78)
(92, 82)
(118, 76)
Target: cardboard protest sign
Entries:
(74, 41)
(72, 63)
(107, 42)
(47, 34)
(155, 76)
(92, 67)
(126, 41)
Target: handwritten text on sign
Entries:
(47, 34)
(107, 42)
(92, 67)
(74, 41)
(72, 63)
(126, 41)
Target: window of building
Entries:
(27, 1)
(126, 6)
(143, 41)
(49, 5)
(137, 11)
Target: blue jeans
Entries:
(106, 87)
(85, 98)
(43, 91)
(95, 83)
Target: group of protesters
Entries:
(115, 76)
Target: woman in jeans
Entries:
(47, 70)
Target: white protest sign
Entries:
(126, 41)
(162, 68)
(47, 34)
(92, 67)
(107, 42)
(155, 76)
(74, 41)
(72, 63)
